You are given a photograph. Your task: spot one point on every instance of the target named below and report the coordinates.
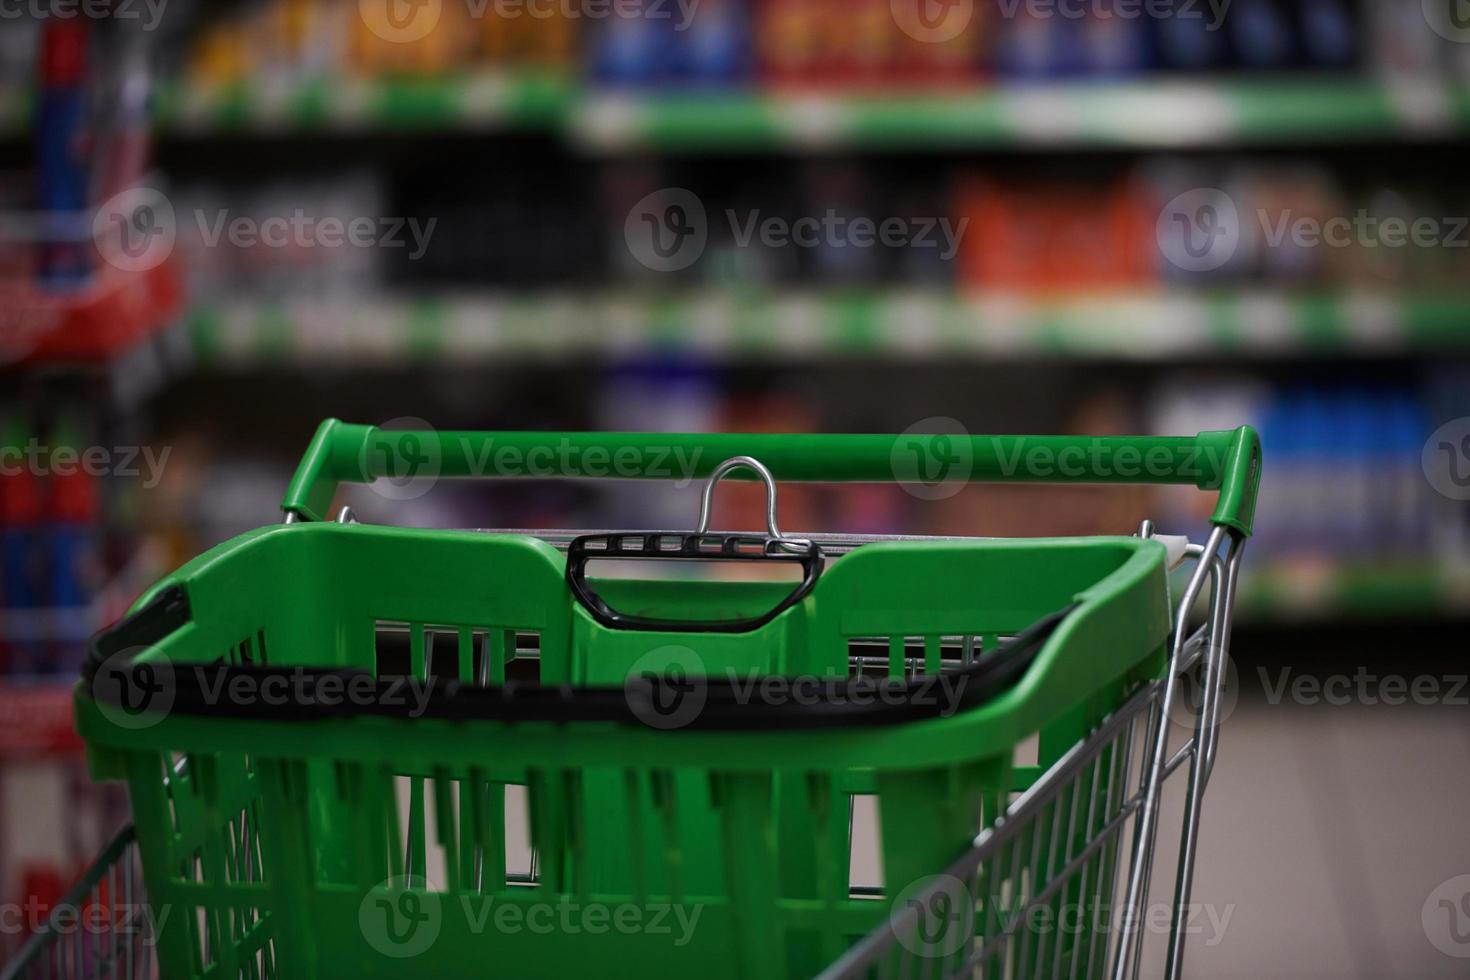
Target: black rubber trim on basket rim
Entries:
(649, 700)
(653, 546)
(167, 612)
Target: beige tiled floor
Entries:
(1327, 828)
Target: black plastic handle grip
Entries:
(684, 546)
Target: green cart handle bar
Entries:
(1227, 461)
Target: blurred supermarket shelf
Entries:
(1315, 591)
(35, 708)
(15, 109)
(1161, 325)
(35, 718)
(71, 627)
(1144, 114)
(469, 101)
(113, 312)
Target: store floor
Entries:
(1325, 832)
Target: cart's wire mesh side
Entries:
(103, 928)
(1040, 893)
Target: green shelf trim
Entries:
(17, 109)
(275, 333)
(1437, 321)
(1278, 592)
(719, 121)
(855, 322)
(311, 104)
(667, 323)
(1130, 113)
(1222, 322)
(1459, 106)
(204, 329)
(754, 327)
(964, 120)
(428, 103)
(1320, 322)
(1308, 110)
(234, 107)
(427, 327)
(738, 324)
(1126, 113)
(469, 101)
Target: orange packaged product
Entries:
(924, 59)
(435, 40)
(741, 506)
(1102, 239)
(1052, 238)
(517, 38)
(1006, 242)
(865, 48)
(786, 41)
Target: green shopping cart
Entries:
(333, 732)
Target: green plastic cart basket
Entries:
(332, 732)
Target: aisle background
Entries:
(223, 222)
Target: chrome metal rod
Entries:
(991, 841)
(1131, 941)
(832, 543)
(1206, 738)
